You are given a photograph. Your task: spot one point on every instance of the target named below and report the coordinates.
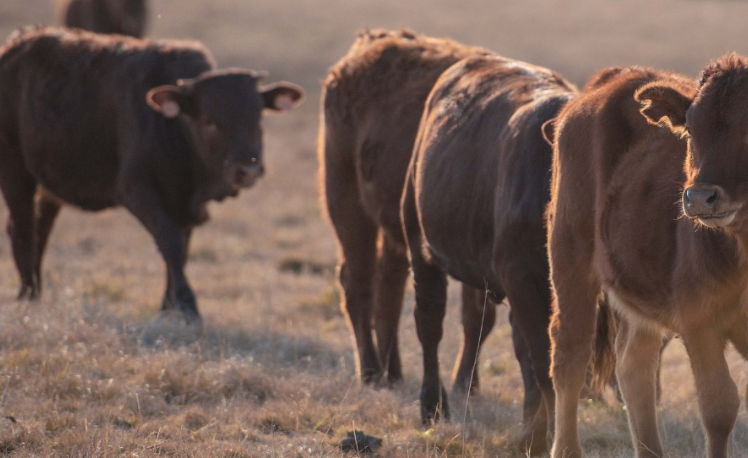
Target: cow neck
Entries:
(717, 261)
(208, 181)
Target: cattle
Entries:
(124, 17)
(473, 208)
(372, 101)
(98, 121)
(657, 221)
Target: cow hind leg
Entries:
(431, 302)
(533, 395)
(529, 299)
(718, 396)
(19, 188)
(478, 319)
(392, 273)
(637, 363)
(357, 263)
(47, 209)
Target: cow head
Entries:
(714, 119)
(223, 111)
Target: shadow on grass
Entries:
(219, 343)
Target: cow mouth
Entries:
(243, 177)
(717, 220)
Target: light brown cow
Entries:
(616, 223)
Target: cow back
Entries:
(481, 164)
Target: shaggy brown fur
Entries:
(371, 103)
(473, 208)
(97, 121)
(124, 17)
(616, 223)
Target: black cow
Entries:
(98, 121)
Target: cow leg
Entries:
(478, 319)
(718, 396)
(47, 209)
(169, 302)
(144, 203)
(529, 299)
(431, 302)
(392, 273)
(572, 329)
(637, 363)
(18, 188)
(357, 257)
(533, 395)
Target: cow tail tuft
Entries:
(603, 362)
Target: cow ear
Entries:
(549, 131)
(167, 100)
(282, 96)
(665, 105)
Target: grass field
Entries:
(91, 370)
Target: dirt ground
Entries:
(91, 370)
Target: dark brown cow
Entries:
(98, 121)
(371, 104)
(124, 17)
(617, 224)
(473, 208)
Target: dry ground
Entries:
(90, 370)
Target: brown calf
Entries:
(124, 17)
(473, 208)
(616, 223)
(371, 103)
(98, 121)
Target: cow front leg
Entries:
(169, 302)
(718, 396)
(172, 241)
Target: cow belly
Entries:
(88, 187)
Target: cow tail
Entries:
(603, 364)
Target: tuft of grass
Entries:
(105, 291)
(300, 266)
(326, 305)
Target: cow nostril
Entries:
(701, 198)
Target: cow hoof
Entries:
(531, 442)
(192, 318)
(464, 383)
(27, 292)
(434, 406)
(371, 377)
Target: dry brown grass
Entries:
(91, 371)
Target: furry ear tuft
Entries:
(166, 100)
(665, 105)
(282, 96)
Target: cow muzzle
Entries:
(709, 205)
(245, 176)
